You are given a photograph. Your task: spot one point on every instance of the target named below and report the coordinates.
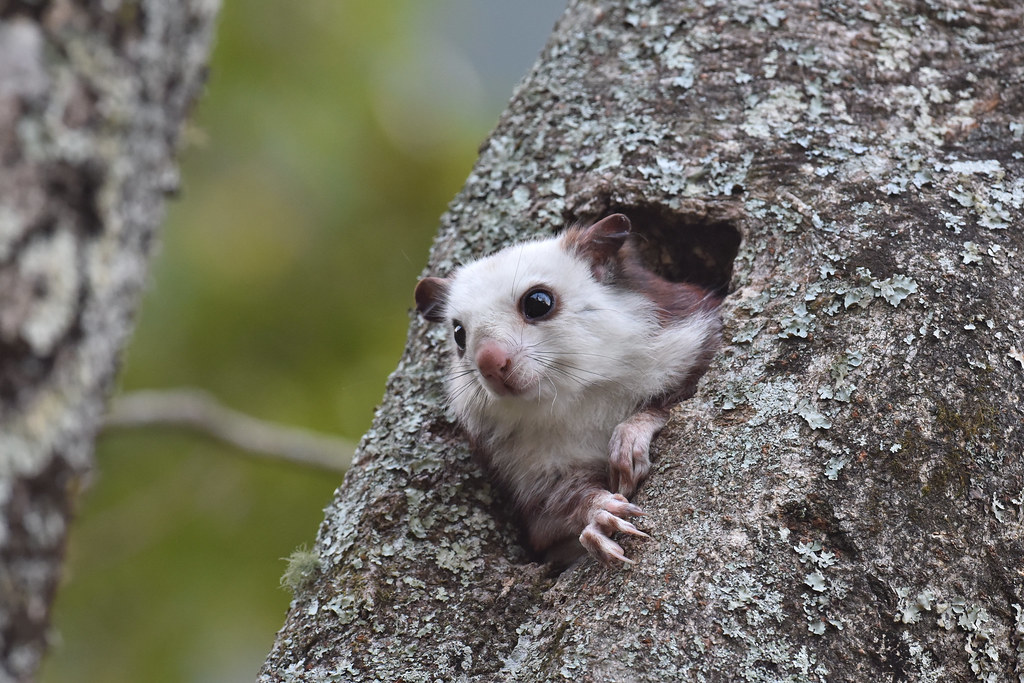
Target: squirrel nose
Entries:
(493, 361)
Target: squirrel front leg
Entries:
(630, 446)
(580, 506)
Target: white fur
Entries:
(613, 353)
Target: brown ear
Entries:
(431, 294)
(602, 240)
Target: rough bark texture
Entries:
(92, 100)
(844, 497)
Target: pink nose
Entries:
(493, 361)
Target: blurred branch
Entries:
(198, 411)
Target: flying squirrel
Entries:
(566, 355)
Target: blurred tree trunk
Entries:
(844, 497)
(92, 101)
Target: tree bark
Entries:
(844, 497)
(92, 101)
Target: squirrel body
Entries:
(566, 354)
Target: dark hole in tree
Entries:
(686, 246)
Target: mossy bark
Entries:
(844, 497)
(92, 101)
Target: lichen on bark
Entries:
(844, 497)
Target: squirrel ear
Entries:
(431, 295)
(601, 241)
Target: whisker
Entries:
(565, 373)
(554, 390)
(510, 341)
(579, 353)
(567, 369)
(459, 391)
(460, 375)
(473, 396)
(515, 277)
(557, 357)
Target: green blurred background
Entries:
(331, 137)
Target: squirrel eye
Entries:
(537, 303)
(460, 335)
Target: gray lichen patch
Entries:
(39, 299)
(23, 72)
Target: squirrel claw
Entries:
(605, 520)
(601, 547)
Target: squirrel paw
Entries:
(630, 457)
(606, 519)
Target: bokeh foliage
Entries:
(331, 137)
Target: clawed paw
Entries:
(605, 520)
(629, 452)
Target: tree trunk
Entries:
(844, 497)
(92, 100)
